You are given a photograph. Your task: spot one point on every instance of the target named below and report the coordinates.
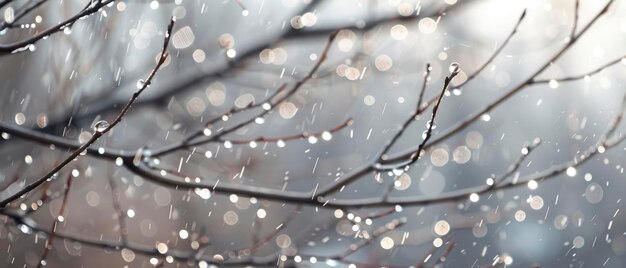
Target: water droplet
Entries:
(183, 234)
(228, 144)
(486, 117)
(461, 154)
(25, 229)
(571, 171)
(101, 126)
(594, 193)
(327, 136)
(162, 248)
(206, 132)
(204, 193)
(554, 84)
(140, 83)
(439, 157)
(218, 258)
(378, 177)
(454, 68)
(386, 243)
(280, 143)
(428, 124)
(442, 228)
(520, 215)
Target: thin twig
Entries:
(99, 132)
(484, 65)
(225, 131)
(121, 217)
(48, 245)
(401, 158)
(575, 23)
(581, 76)
(21, 45)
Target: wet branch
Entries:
(100, 130)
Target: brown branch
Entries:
(402, 157)
(575, 24)
(258, 244)
(484, 65)
(121, 217)
(225, 131)
(303, 135)
(189, 78)
(21, 14)
(101, 127)
(581, 76)
(19, 46)
(414, 157)
(390, 226)
(51, 235)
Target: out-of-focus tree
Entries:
(318, 133)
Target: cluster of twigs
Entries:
(319, 197)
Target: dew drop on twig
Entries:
(454, 68)
(101, 126)
(140, 83)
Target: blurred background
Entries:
(226, 54)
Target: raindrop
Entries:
(162, 248)
(327, 136)
(439, 157)
(266, 106)
(553, 83)
(442, 228)
(461, 154)
(183, 234)
(218, 258)
(520, 215)
(594, 193)
(228, 144)
(280, 143)
(140, 83)
(571, 171)
(386, 243)
(206, 132)
(204, 193)
(454, 68)
(101, 126)
(25, 229)
(261, 213)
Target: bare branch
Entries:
(100, 129)
(19, 46)
(402, 156)
(580, 76)
(60, 218)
